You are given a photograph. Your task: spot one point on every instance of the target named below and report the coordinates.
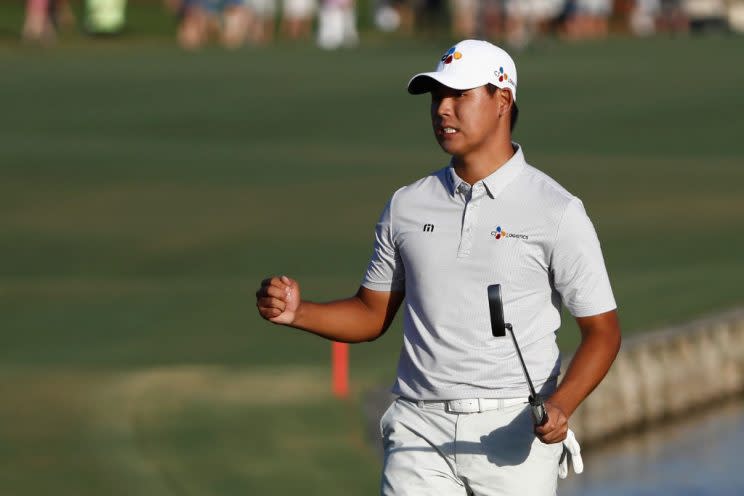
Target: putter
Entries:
(498, 329)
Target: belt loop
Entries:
(480, 405)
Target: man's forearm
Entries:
(363, 317)
(600, 342)
(349, 320)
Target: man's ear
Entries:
(505, 100)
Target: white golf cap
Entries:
(469, 64)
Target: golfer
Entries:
(461, 424)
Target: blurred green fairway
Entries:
(145, 192)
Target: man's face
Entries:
(463, 120)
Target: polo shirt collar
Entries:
(454, 181)
(498, 180)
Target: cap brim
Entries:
(425, 81)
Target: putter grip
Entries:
(539, 415)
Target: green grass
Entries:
(145, 192)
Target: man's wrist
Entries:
(558, 401)
(298, 315)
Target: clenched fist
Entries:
(278, 299)
(556, 428)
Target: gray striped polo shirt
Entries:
(444, 242)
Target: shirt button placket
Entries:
(469, 221)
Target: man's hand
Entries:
(278, 300)
(556, 428)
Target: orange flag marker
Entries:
(340, 369)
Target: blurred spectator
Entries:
(236, 21)
(337, 24)
(587, 19)
(297, 18)
(105, 16)
(193, 27)
(672, 18)
(736, 16)
(706, 15)
(464, 15)
(228, 20)
(395, 15)
(263, 20)
(38, 25)
(644, 16)
(651, 16)
(492, 19)
(44, 18)
(527, 18)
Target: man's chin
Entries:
(448, 147)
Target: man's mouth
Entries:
(446, 130)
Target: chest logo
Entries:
(428, 227)
(500, 233)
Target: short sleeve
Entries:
(578, 267)
(385, 271)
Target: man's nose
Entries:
(443, 107)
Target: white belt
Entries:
(471, 405)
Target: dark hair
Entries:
(514, 110)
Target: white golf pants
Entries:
(430, 451)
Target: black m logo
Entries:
(428, 227)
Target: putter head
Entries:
(498, 327)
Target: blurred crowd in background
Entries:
(333, 23)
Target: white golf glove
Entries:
(572, 452)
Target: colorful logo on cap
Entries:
(451, 55)
(502, 75)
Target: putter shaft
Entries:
(497, 329)
(536, 402)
